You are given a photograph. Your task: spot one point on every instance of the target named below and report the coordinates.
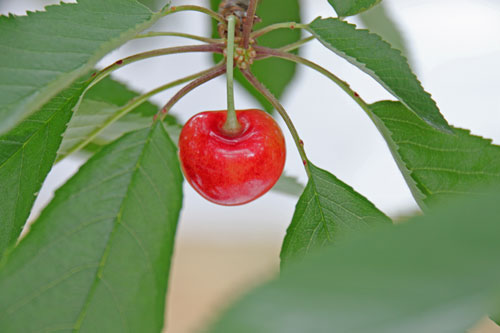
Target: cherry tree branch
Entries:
(248, 25)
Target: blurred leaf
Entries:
(288, 185)
(326, 211)
(44, 52)
(275, 74)
(155, 5)
(374, 56)
(345, 8)
(99, 104)
(98, 258)
(437, 273)
(378, 20)
(436, 165)
(27, 153)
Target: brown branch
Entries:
(247, 27)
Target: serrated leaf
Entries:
(44, 52)
(98, 257)
(100, 103)
(275, 74)
(27, 153)
(436, 165)
(378, 20)
(437, 273)
(326, 211)
(345, 8)
(378, 59)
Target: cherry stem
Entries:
(215, 48)
(179, 34)
(296, 45)
(281, 110)
(231, 125)
(176, 9)
(264, 52)
(210, 74)
(248, 24)
(276, 26)
(127, 108)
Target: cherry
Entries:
(232, 168)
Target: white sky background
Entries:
(455, 47)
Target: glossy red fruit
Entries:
(232, 169)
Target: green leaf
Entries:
(346, 8)
(99, 104)
(275, 74)
(326, 211)
(44, 52)
(496, 319)
(436, 165)
(98, 257)
(437, 273)
(27, 153)
(378, 20)
(154, 4)
(288, 185)
(374, 56)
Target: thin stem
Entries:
(211, 74)
(248, 24)
(231, 125)
(214, 15)
(276, 26)
(296, 45)
(124, 110)
(281, 110)
(264, 52)
(215, 48)
(179, 34)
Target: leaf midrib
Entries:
(98, 275)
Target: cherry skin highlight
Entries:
(232, 168)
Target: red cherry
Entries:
(232, 169)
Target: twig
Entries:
(281, 110)
(248, 24)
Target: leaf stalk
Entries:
(264, 52)
(179, 34)
(276, 26)
(214, 15)
(130, 106)
(281, 110)
(211, 74)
